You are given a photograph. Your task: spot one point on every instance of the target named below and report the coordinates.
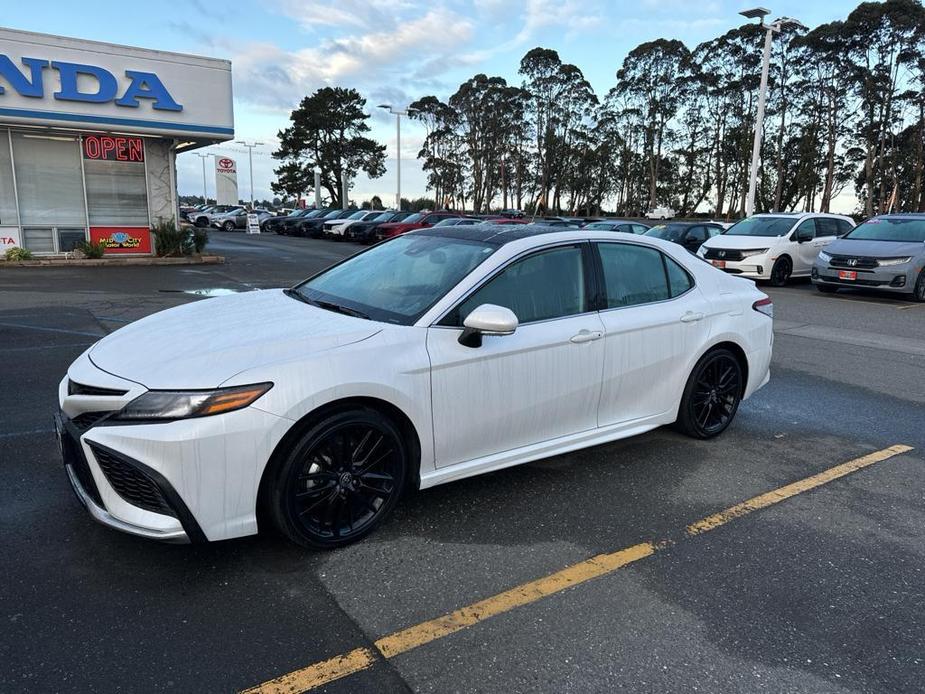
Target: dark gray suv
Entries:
(885, 252)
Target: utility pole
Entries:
(398, 114)
(775, 27)
(250, 163)
(205, 197)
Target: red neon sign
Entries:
(114, 148)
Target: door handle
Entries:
(586, 336)
(691, 317)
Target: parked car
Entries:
(556, 222)
(885, 252)
(237, 219)
(459, 221)
(421, 220)
(314, 227)
(365, 232)
(336, 228)
(660, 213)
(204, 219)
(691, 235)
(621, 225)
(775, 247)
(410, 364)
(508, 220)
(286, 225)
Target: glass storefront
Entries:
(60, 189)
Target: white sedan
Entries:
(431, 357)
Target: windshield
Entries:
(332, 214)
(449, 222)
(600, 225)
(357, 215)
(668, 232)
(413, 219)
(399, 280)
(312, 213)
(889, 229)
(762, 226)
(382, 217)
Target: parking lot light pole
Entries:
(250, 163)
(775, 27)
(205, 197)
(398, 114)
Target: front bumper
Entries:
(756, 267)
(899, 279)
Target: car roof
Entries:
(797, 215)
(493, 234)
(901, 215)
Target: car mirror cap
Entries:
(491, 319)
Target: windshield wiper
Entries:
(337, 308)
(295, 294)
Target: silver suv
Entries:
(885, 252)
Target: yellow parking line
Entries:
(340, 666)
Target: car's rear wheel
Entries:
(780, 273)
(712, 395)
(918, 290)
(339, 480)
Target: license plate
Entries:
(847, 275)
(721, 264)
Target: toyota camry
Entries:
(431, 357)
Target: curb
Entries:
(115, 262)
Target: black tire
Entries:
(712, 395)
(228, 226)
(320, 495)
(826, 289)
(918, 291)
(201, 222)
(780, 273)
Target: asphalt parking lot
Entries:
(485, 585)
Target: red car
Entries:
(420, 220)
(508, 220)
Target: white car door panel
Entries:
(541, 382)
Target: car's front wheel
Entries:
(712, 395)
(780, 273)
(228, 226)
(918, 292)
(339, 480)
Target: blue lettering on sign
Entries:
(142, 85)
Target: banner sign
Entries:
(9, 237)
(226, 181)
(114, 148)
(253, 223)
(123, 239)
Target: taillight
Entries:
(765, 306)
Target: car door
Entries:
(539, 383)
(655, 318)
(805, 252)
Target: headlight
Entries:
(824, 257)
(754, 251)
(172, 404)
(884, 262)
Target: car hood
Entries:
(742, 242)
(876, 249)
(204, 343)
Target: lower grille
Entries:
(130, 483)
(85, 420)
(74, 457)
(853, 283)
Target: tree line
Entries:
(845, 111)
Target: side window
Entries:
(547, 284)
(678, 279)
(714, 231)
(632, 274)
(826, 226)
(697, 233)
(809, 224)
(844, 226)
(639, 229)
(433, 218)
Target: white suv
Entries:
(774, 247)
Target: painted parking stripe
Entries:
(404, 640)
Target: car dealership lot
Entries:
(821, 592)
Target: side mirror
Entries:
(487, 319)
(804, 235)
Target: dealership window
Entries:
(7, 192)
(114, 170)
(52, 206)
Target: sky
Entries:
(391, 51)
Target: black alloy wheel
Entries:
(712, 395)
(340, 480)
(918, 292)
(780, 273)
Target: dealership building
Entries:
(89, 134)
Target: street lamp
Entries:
(398, 114)
(775, 27)
(250, 163)
(205, 197)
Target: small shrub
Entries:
(16, 253)
(91, 249)
(200, 238)
(170, 242)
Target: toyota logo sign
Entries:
(226, 164)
